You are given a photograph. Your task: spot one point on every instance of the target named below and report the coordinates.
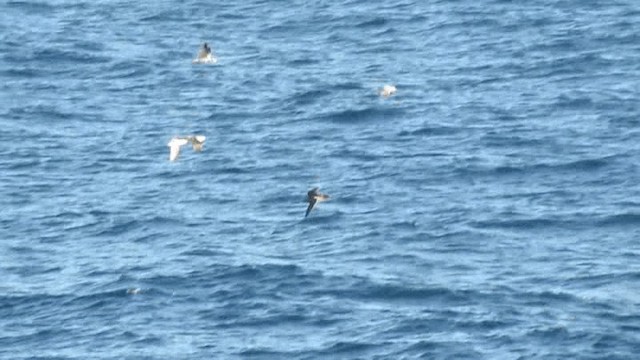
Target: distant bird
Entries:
(133, 291)
(177, 142)
(388, 90)
(205, 56)
(313, 196)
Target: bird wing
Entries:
(174, 152)
(197, 141)
(312, 202)
(174, 146)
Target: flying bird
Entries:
(313, 196)
(205, 56)
(177, 142)
(388, 90)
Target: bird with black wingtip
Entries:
(205, 56)
(313, 196)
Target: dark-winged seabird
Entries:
(177, 142)
(313, 196)
(205, 56)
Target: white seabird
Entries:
(177, 142)
(388, 90)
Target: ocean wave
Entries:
(351, 116)
(542, 223)
(31, 7)
(58, 56)
(309, 97)
(622, 219)
(347, 347)
(375, 23)
(41, 111)
(127, 70)
(432, 131)
(580, 165)
(486, 210)
(115, 225)
(165, 16)
(26, 73)
(365, 290)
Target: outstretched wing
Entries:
(174, 152)
(312, 202)
(174, 146)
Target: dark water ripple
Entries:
(489, 210)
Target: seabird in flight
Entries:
(177, 142)
(313, 196)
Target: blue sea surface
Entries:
(490, 209)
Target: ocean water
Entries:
(490, 209)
